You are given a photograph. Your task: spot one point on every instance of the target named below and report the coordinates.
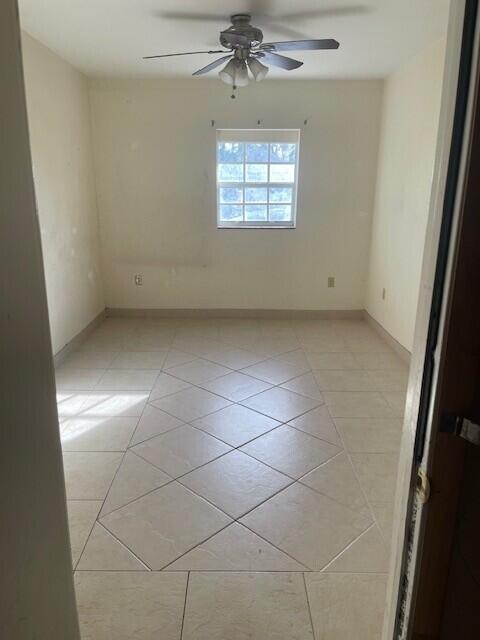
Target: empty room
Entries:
(236, 205)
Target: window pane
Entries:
(281, 213)
(256, 173)
(231, 212)
(255, 194)
(281, 194)
(257, 152)
(231, 194)
(230, 172)
(283, 152)
(230, 151)
(256, 212)
(282, 173)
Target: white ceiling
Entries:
(109, 37)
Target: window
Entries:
(257, 178)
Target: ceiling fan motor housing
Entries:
(241, 34)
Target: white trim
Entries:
(255, 136)
(78, 339)
(404, 353)
(292, 314)
(405, 479)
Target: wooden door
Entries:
(448, 595)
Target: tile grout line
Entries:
(75, 565)
(109, 488)
(125, 453)
(178, 479)
(294, 480)
(100, 524)
(350, 544)
(234, 448)
(314, 635)
(274, 545)
(185, 605)
(108, 491)
(352, 466)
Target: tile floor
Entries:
(231, 479)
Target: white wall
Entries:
(410, 117)
(155, 167)
(36, 585)
(60, 133)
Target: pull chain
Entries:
(233, 96)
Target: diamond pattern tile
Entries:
(318, 423)
(135, 477)
(152, 423)
(181, 450)
(167, 385)
(280, 404)
(233, 358)
(236, 548)
(236, 425)
(290, 451)
(104, 553)
(274, 371)
(191, 404)
(198, 371)
(305, 385)
(165, 524)
(337, 480)
(236, 386)
(308, 526)
(215, 446)
(235, 483)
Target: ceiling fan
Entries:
(246, 51)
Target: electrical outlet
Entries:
(331, 282)
(383, 293)
(138, 280)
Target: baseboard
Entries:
(77, 340)
(275, 314)
(266, 314)
(404, 353)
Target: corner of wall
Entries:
(408, 142)
(59, 119)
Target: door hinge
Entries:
(461, 427)
(423, 486)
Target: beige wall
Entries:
(155, 168)
(36, 586)
(410, 116)
(60, 134)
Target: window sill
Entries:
(264, 227)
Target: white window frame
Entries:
(265, 136)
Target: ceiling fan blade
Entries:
(192, 17)
(212, 65)
(279, 61)
(275, 26)
(301, 45)
(188, 53)
(257, 7)
(352, 10)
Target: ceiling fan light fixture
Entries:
(241, 75)
(227, 74)
(259, 70)
(235, 73)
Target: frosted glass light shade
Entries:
(259, 70)
(235, 72)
